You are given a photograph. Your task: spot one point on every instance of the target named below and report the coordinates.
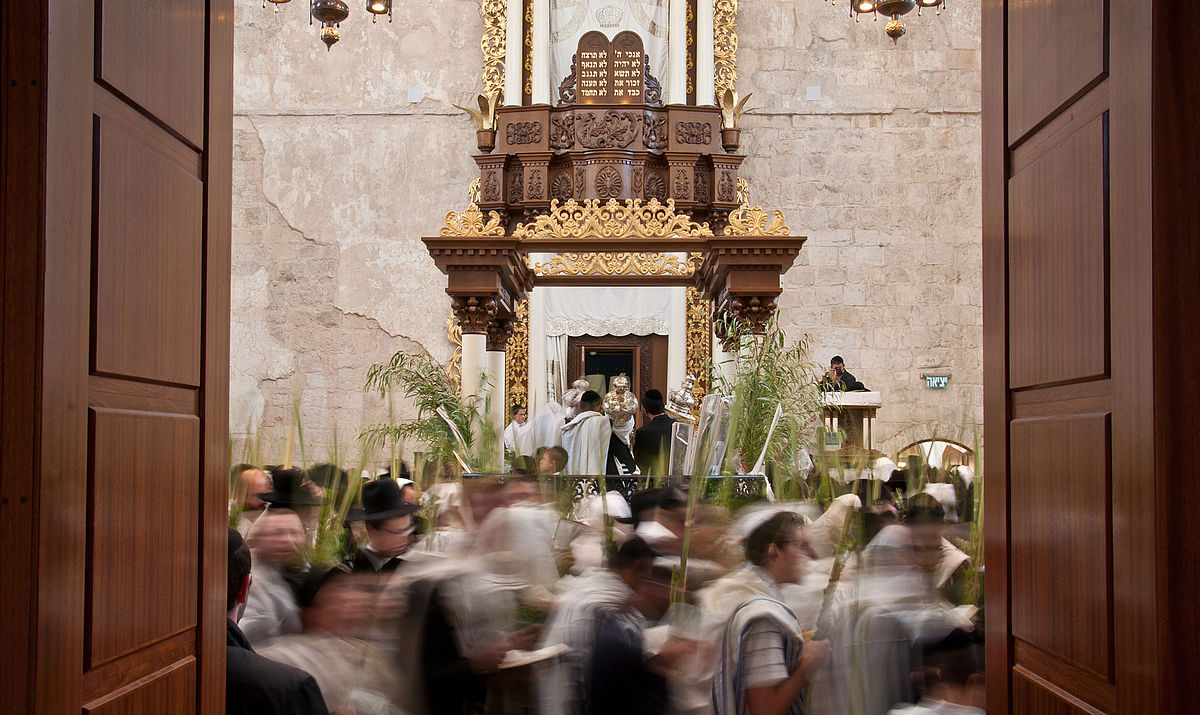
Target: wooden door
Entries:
(649, 358)
(115, 378)
(1090, 258)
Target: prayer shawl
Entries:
(563, 683)
(586, 440)
(542, 430)
(271, 608)
(728, 686)
(352, 673)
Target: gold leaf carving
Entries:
(725, 45)
(454, 335)
(516, 361)
(698, 341)
(591, 219)
(618, 264)
(470, 223)
(493, 44)
(753, 221)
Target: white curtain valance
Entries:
(608, 310)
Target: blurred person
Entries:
(337, 611)
(465, 621)
(953, 678)
(277, 543)
(663, 530)
(248, 483)
(764, 662)
(514, 429)
(652, 441)
(602, 620)
(390, 526)
(292, 489)
(255, 685)
(587, 437)
(626, 677)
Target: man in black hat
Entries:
(256, 685)
(293, 490)
(390, 526)
(651, 443)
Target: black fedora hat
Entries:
(381, 499)
(288, 490)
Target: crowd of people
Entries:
(506, 594)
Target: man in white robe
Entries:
(512, 433)
(586, 437)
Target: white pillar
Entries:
(537, 350)
(474, 363)
(540, 73)
(676, 79)
(514, 53)
(677, 342)
(722, 361)
(496, 413)
(705, 93)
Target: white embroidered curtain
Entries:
(607, 310)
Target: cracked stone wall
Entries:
(337, 175)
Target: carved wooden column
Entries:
(741, 273)
(499, 330)
(474, 313)
(485, 279)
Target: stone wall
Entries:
(882, 173)
(337, 175)
(344, 159)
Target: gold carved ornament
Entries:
(630, 219)
(528, 64)
(725, 45)
(454, 335)
(471, 223)
(495, 30)
(516, 361)
(623, 263)
(754, 221)
(698, 341)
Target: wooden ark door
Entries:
(649, 358)
(120, 299)
(1090, 257)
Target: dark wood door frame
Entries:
(649, 358)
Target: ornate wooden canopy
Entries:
(735, 272)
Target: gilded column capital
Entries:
(474, 312)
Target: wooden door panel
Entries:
(143, 529)
(169, 691)
(1057, 266)
(1057, 49)
(1060, 488)
(148, 253)
(154, 54)
(1035, 696)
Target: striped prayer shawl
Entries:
(728, 693)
